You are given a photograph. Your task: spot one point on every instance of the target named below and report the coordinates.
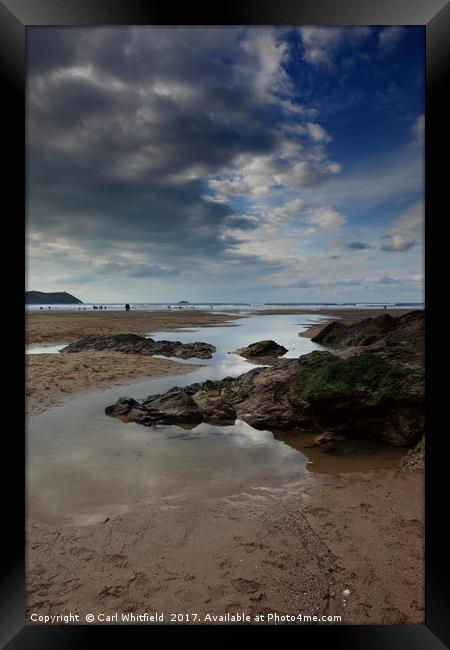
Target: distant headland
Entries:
(56, 298)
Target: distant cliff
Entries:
(57, 298)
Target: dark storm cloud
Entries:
(136, 270)
(50, 48)
(306, 284)
(123, 127)
(91, 272)
(358, 246)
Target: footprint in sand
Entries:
(245, 586)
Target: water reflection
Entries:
(44, 348)
(83, 466)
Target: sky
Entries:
(225, 164)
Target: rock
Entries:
(363, 332)
(263, 397)
(121, 407)
(327, 441)
(365, 393)
(174, 406)
(262, 349)
(364, 396)
(399, 338)
(135, 344)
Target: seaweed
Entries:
(322, 374)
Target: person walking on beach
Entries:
(127, 307)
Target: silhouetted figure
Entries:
(41, 308)
(127, 307)
(95, 307)
(385, 306)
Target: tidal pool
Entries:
(83, 466)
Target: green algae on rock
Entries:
(324, 374)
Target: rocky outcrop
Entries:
(135, 344)
(265, 398)
(398, 338)
(364, 396)
(262, 350)
(372, 389)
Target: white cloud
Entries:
(322, 44)
(334, 168)
(325, 217)
(317, 132)
(406, 231)
(297, 213)
(301, 174)
(314, 131)
(269, 77)
(291, 165)
(297, 109)
(398, 243)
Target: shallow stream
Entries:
(83, 466)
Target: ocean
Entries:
(221, 306)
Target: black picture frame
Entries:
(15, 17)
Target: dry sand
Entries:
(66, 326)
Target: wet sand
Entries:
(346, 315)
(52, 379)
(286, 551)
(351, 454)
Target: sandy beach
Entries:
(289, 552)
(66, 326)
